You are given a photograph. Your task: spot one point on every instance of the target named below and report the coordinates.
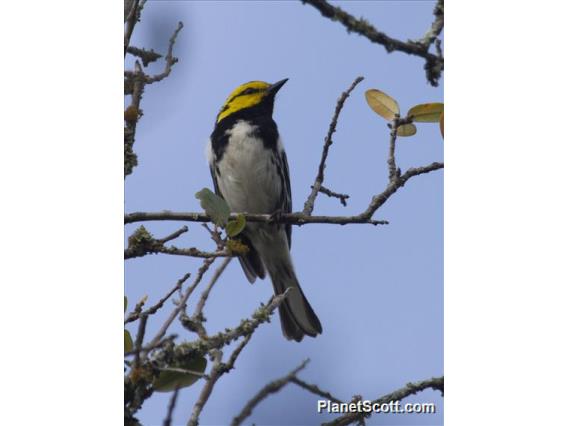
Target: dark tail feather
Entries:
(297, 317)
(251, 263)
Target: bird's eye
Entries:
(248, 91)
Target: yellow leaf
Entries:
(235, 227)
(128, 344)
(442, 123)
(382, 104)
(406, 130)
(426, 113)
(170, 380)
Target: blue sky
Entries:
(378, 291)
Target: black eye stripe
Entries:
(248, 91)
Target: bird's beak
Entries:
(276, 87)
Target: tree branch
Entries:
(219, 368)
(223, 338)
(410, 389)
(434, 63)
(150, 311)
(309, 204)
(171, 406)
(291, 218)
(181, 305)
(342, 197)
(315, 390)
(270, 388)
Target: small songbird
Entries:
(250, 171)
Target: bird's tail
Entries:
(296, 315)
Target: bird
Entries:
(250, 172)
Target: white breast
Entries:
(247, 175)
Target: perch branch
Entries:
(291, 218)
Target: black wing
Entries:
(287, 196)
(250, 262)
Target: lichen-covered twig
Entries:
(434, 62)
(152, 310)
(436, 383)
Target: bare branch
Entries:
(216, 372)
(270, 388)
(170, 59)
(309, 204)
(291, 218)
(132, 14)
(147, 56)
(150, 311)
(219, 368)
(198, 315)
(139, 340)
(342, 197)
(434, 63)
(141, 243)
(223, 338)
(204, 267)
(437, 25)
(233, 358)
(315, 390)
(164, 342)
(436, 383)
(171, 406)
(131, 116)
(173, 235)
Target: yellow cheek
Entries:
(241, 102)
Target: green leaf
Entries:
(128, 343)
(406, 130)
(169, 381)
(214, 206)
(426, 113)
(382, 104)
(236, 226)
(125, 303)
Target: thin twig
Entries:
(437, 25)
(131, 119)
(205, 294)
(434, 63)
(132, 16)
(147, 56)
(214, 375)
(170, 59)
(171, 406)
(189, 252)
(309, 204)
(204, 267)
(173, 235)
(152, 310)
(270, 388)
(436, 383)
(233, 358)
(246, 327)
(342, 197)
(315, 390)
(184, 371)
(139, 340)
(165, 341)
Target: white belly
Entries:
(247, 174)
